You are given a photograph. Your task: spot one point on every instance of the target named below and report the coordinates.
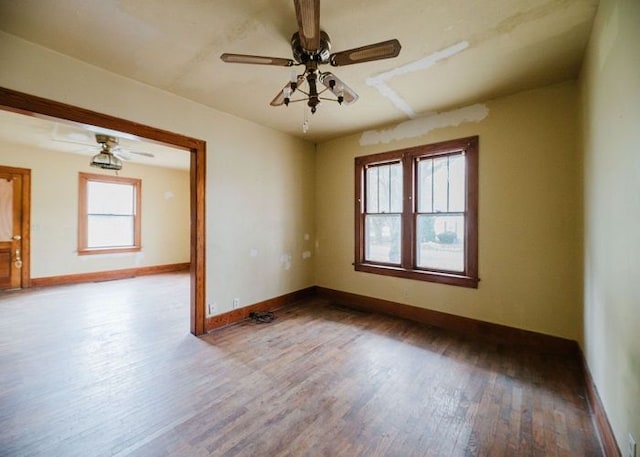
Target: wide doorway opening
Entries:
(89, 125)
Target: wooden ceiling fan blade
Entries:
(308, 15)
(278, 100)
(377, 51)
(256, 60)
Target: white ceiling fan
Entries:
(110, 155)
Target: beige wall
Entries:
(528, 247)
(611, 136)
(260, 183)
(270, 199)
(54, 213)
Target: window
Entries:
(416, 213)
(109, 217)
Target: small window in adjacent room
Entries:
(109, 214)
(417, 213)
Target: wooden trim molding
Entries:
(198, 239)
(407, 266)
(599, 416)
(240, 314)
(477, 329)
(83, 213)
(108, 275)
(37, 106)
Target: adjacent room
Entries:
(311, 227)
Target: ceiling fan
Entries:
(110, 153)
(311, 47)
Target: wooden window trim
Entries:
(408, 269)
(83, 180)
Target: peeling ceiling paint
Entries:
(421, 126)
(380, 81)
(498, 47)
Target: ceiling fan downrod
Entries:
(314, 99)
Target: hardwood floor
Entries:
(110, 369)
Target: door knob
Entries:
(16, 237)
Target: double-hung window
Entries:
(108, 214)
(416, 213)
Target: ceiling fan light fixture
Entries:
(344, 94)
(106, 161)
(311, 47)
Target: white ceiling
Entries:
(45, 133)
(454, 52)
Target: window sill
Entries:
(92, 251)
(429, 276)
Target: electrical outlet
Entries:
(631, 452)
(236, 303)
(212, 307)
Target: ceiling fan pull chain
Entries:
(305, 122)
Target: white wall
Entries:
(54, 213)
(611, 136)
(260, 183)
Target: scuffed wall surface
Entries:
(528, 217)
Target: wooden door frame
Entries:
(25, 223)
(37, 106)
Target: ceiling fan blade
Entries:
(138, 153)
(121, 156)
(377, 51)
(338, 88)
(279, 99)
(308, 15)
(257, 60)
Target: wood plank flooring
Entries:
(110, 369)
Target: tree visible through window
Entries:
(416, 212)
(109, 219)
(383, 213)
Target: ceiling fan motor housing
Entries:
(303, 56)
(106, 140)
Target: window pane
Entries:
(384, 188)
(109, 231)
(440, 184)
(382, 238)
(425, 186)
(440, 242)
(110, 198)
(457, 187)
(372, 190)
(6, 210)
(395, 182)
